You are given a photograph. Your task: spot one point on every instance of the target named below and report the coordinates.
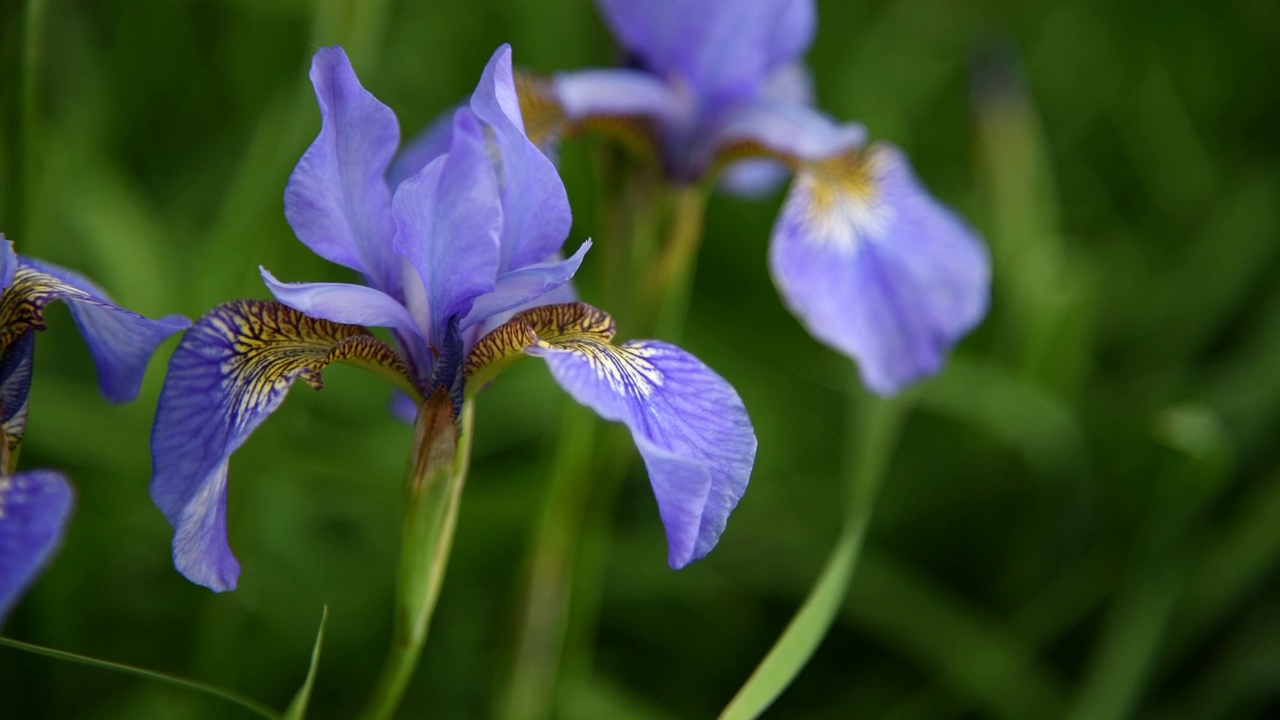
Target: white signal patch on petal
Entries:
(842, 201)
(625, 367)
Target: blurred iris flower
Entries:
(34, 505)
(460, 261)
(871, 263)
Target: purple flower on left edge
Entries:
(35, 504)
(861, 253)
(461, 261)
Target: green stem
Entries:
(442, 457)
(670, 282)
(545, 608)
(875, 436)
(231, 697)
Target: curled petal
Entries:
(614, 92)
(232, 370)
(337, 200)
(689, 424)
(877, 268)
(121, 342)
(447, 222)
(343, 303)
(790, 132)
(520, 288)
(535, 207)
(34, 507)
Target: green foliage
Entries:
(1080, 517)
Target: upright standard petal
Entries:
(121, 342)
(447, 222)
(722, 50)
(337, 200)
(34, 507)
(427, 146)
(689, 424)
(876, 268)
(535, 207)
(232, 370)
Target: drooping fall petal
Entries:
(232, 370)
(120, 341)
(34, 507)
(877, 268)
(689, 425)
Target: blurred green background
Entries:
(1082, 518)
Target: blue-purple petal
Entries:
(427, 146)
(337, 200)
(231, 370)
(793, 34)
(788, 129)
(34, 507)
(8, 262)
(535, 207)
(721, 50)
(615, 92)
(757, 177)
(689, 424)
(343, 303)
(521, 289)
(120, 341)
(884, 274)
(448, 217)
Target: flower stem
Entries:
(442, 456)
(875, 431)
(670, 282)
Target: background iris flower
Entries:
(35, 505)
(460, 262)
(872, 264)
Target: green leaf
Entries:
(876, 432)
(802, 636)
(231, 697)
(297, 709)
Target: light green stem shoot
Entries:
(442, 455)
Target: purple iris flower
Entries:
(34, 505)
(460, 257)
(871, 263)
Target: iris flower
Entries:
(461, 263)
(868, 261)
(34, 505)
